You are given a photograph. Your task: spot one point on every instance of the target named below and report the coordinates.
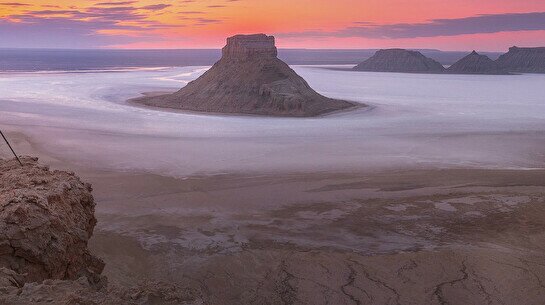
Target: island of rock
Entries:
(476, 63)
(400, 60)
(249, 79)
(523, 60)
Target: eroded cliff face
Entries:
(400, 60)
(249, 79)
(46, 220)
(523, 60)
(243, 47)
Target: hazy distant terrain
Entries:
(70, 60)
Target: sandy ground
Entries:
(422, 236)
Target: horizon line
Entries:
(219, 49)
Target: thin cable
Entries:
(9, 145)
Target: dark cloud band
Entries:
(439, 27)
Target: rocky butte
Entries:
(400, 60)
(476, 63)
(249, 79)
(523, 60)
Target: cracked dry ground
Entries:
(413, 237)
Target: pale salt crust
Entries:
(416, 120)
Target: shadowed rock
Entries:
(249, 79)
(475, 63)
(46, 219)
(400, 60)
(523, 60)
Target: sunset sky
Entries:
(486, 25)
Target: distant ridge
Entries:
(523, 60)
(475, 63)
(517, 60)
(31, 60)
(400, 60)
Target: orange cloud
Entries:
(206, 23)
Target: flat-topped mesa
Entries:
(400, 60)
(523, 60)
(515, 49)
(249, 79)
(244, 46)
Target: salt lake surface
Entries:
(415, 120)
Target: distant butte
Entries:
(523, 60)
(400, 60)
(476, 63)
(517, 60)
(249, 79)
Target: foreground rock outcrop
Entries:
(523, 60)
(46, 220)
(400, 60)
(476, 63)
(249, 79)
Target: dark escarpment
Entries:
(249, 79)
(399, 60)
(523, 60)
(476, 63)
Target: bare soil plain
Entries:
(407, 236)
